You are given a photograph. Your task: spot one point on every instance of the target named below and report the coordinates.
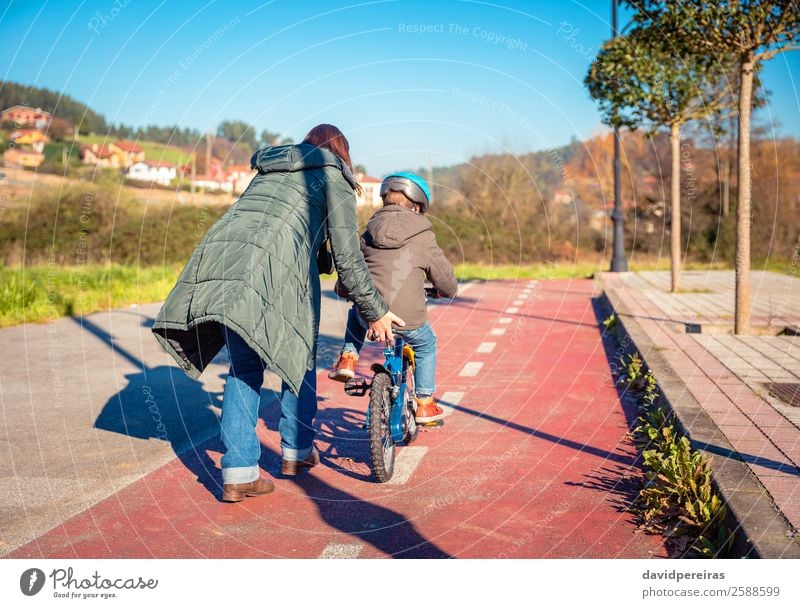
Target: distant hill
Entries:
(82, 116)
(93, 127)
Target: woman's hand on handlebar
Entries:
(381, 330)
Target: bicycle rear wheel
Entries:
(381, 444)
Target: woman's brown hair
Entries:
(332, 139)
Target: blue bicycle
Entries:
(392, 406)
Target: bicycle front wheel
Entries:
(381, 444)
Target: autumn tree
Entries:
(650, 78)
(753, 31)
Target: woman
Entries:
(253, 284)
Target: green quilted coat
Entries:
(256, 269)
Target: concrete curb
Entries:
(760, 528)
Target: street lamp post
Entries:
(618, 262)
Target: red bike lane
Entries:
(533, 459)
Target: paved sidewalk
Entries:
(733, 381)
(533, 461)
(707, 297)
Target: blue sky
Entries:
(409, 82)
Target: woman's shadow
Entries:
(165, 404)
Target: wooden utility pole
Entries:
(193, 173)
(208, 154)
(430, 176)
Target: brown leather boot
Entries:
(237, 492)
(291, 467)
(345, 368)
(427, 410)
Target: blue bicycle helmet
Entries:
(410, 184)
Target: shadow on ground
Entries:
(163, 403)
(614, 351)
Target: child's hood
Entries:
(393, 226)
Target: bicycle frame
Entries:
(397, 366)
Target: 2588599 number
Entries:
(754, 591)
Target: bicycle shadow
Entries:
(163, 403)
(387, 530)
(346, 440)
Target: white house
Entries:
(212, 184)
(371, 196)
(152, 171)
(563, 197)
(239, 176)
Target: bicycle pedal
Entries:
(357, 387)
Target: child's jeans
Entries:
(422, 340)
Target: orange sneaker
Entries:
(427, 410)
(345, 368)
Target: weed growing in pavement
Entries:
(631, 371)
(610, 322)
(677, 498)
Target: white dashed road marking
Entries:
(341, 551)
(405, 463)
(517, 302)
(450, 399)
(472, 368)
(408, 458)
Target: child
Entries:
(401, 252)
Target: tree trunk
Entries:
(675, 208)
(726, 186)
(742, 315)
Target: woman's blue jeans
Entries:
(421, 339)
(240, 414)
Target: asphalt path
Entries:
(110, 450)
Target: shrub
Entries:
(99, 222)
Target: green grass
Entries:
(40, 293)
(792, 268)
(563, 270)
(164, 153)
(152, 150)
